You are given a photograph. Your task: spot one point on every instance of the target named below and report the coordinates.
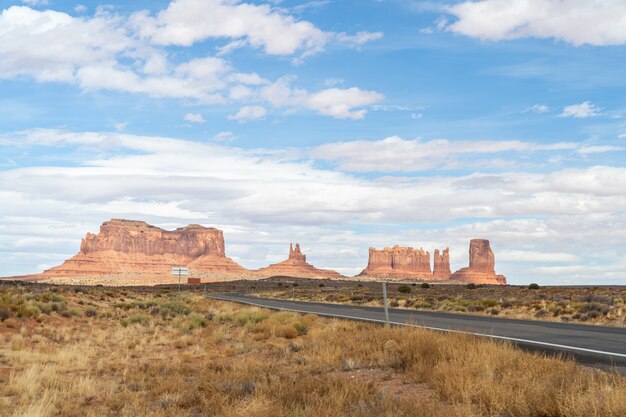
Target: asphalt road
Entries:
(599, 346)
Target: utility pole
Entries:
(385, 303)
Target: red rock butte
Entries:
(481, 269)
(129, 252)
(401, 263)
(296, 266)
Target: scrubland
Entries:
(124, 352)
(590, 305)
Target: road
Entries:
(598, 346)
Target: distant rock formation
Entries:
(398, 262)
(441, 264)
(297, 267)
(481, 269)
(134, 251)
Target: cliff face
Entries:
(441, 264)
(136, 237)
(481, 269)
(296, 266)
(398, 262)
(126, 251)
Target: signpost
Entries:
(385, 303)
(181, 272)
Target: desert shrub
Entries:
(193, 321)
(173, 309)
(489, 302)
(409, 302)
(475, 307)
(53, 297)
(91, 312)
(250, 316)
(321, 285)
(72, 312)
(471, 286)
(300, 327)
(425, 285)
(533, 286)
(44, 308)
(404, 289)
(139, 318)
(494, 312)
(394, 303)
(29, 311)
(5, 313)
(287, 331)
(506, 304)
(596, 308)
(541, 313)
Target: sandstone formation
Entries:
(397, 263)
(481, 269)
(126, 251)
(296, 266)
(441, 264)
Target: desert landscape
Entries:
(98, 351)
(131, 252)
(313, 208)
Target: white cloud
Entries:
(194, 118)
(622, 136)
(580, 111)
(50, 46)
(247, 113)
(263, 198)
(533, 256)
(103, 53)
(225, 137)
(339, 103)
(394, 154)
(359, 38)
(186, 22)
(121, 126)
(599, 149)
(36, 2)
(80, 8)
(578, 22)
(537, 108)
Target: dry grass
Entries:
(590, 305)
(159, 355)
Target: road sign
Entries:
(181, 271)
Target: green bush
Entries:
(471, 286)
(244, 317)
(193, 321)
(404, 289)
(533, 286)
(301, 328)
(91, 312)
(139, 318)
(425, 285)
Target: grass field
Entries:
(590, 305)
(126, 352)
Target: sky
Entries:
(341, 125)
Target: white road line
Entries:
(534, 342)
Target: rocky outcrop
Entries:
(441, 264)
(297, 267)
(398, 263)
(481, 269)
(127, 251)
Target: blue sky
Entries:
(338, 124)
